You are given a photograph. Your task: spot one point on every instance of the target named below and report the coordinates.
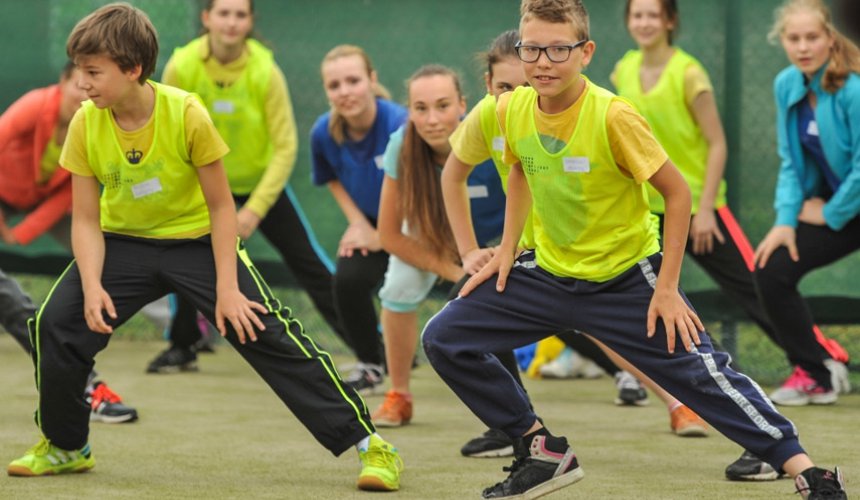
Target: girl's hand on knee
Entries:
(678, 319)
(96, 301)
(241, 313)
(777, 237)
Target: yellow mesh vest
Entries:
(238, 110)
(595, 220)
(158, 197)
(674, 126)
(496, 146)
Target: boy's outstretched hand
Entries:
(234, 307)
(677, 317)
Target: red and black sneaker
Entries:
(107, 406)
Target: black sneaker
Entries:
(751, 468)
(821, 484)
(174, 359)
(630, 390)
(493, 443)
(366, 379)
(548, 464)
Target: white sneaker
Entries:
(838, 376)
(630, 390)
(565, 365)
(590, 370)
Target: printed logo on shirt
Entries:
(133, 156)
(378, 161)
(576, 164)
(812, 128)
(499, 144)
(529, 167)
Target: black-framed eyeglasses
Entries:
(555, 53)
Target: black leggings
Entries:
(777, 282)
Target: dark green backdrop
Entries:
(728, 36)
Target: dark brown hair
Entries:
(670, 12)
(120, 31)
(420, 183)
(502, 47)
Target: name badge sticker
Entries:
(146, 188)
(224, 107)
(812, 128)
(378, 161)
(499, 144)
(478, 192)
(576, 164)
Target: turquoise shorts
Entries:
(405, 286)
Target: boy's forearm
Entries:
(224, 234)
(676, 226)
(88, 247)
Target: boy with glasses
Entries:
(581, 156)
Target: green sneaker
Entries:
(381, 466)
(45, 459)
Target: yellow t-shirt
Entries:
(132, 177)
(467, 142)
(630, 139)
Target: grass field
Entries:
(221, 433)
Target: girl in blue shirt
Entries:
(817, 193)
(347, 144)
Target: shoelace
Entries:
(383, 457)
(102, 393)
(41, 448)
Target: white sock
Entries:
(363, 444)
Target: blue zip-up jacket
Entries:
(838, 117)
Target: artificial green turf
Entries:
(221, 433)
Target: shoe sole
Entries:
(550, 486)
(373, 483)
(639, 402)
(25, 472)
(389, 423)
(498, 452)
(174, 369)
(764, 476)
(119, 419)
(692, 431)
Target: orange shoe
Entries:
(395, 411)
(686, 423)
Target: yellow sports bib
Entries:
(237, 109)
(674, 127)
(159, 195)
(595, 220)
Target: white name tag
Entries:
(378, 161)
(146, 188)
(812, 129)
(478, 192)
(499, 144)
(576, 164)
(225, 107)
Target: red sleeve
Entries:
(21, 116)
(45, 216)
